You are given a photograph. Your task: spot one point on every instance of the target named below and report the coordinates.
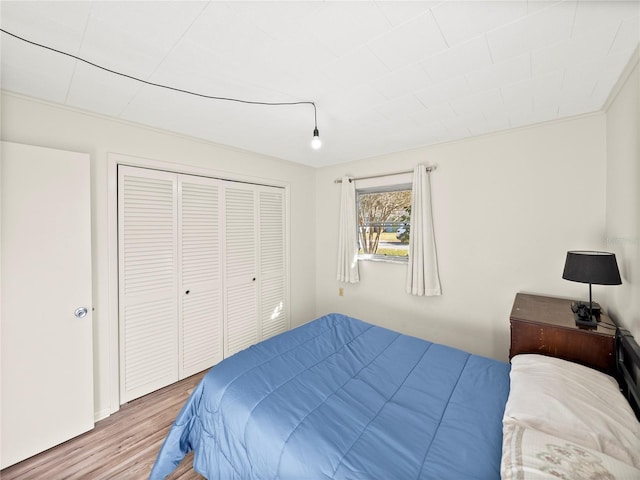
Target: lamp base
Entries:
(585, 321)
(595, 308)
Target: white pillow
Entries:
(528, 454)
(574, 403)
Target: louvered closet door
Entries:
(272, 261)
(200, 290)
(240, 230)
(148, 280)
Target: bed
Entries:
(339, 398)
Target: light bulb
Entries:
(316, 143)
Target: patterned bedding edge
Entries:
(529, 454)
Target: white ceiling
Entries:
(385, 76)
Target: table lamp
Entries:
(599, 268)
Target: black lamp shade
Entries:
(598, 268)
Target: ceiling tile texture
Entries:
(385, 76)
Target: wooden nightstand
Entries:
(546, 325)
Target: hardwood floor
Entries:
(122, 446)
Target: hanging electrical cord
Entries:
(315, 143)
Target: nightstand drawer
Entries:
(595, 351)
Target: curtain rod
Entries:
(339, 180)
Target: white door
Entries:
(171, 299)
(200, 273)
(272, 262)
(148, 280)
(240, 267)
(47, 354)
(256, 277)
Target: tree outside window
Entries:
(384, 222)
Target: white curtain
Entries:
(422, 274)
(347, 234)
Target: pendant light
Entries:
(316, 143)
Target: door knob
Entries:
(81, 312)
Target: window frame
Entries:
(375, 257)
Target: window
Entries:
(384, 222)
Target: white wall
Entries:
(507, 207)
(32, 122)
(623, 195)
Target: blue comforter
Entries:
(339, 398)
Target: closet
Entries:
(202, 273)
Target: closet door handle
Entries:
(81, 312)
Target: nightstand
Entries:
(546, 325)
